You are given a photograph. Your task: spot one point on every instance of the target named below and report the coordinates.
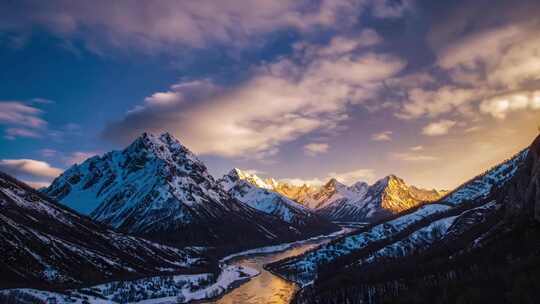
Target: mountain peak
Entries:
(238, 174)
(334, 183)
(164, 146)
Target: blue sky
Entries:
(433, 91)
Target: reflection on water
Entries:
(266, 287)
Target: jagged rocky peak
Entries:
(397, 195)
(360, 186)
(334, 184)
(163, 146)
(238, 174)
(158, 189)
(258, 194)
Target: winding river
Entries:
(266, 288)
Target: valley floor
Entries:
(237, 269)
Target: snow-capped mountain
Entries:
(298, 193)
(158, 189)
(253, 191)
(43, 244)
(451, 238)
(363, 203)
(338, 202)
(334, 191)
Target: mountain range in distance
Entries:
(157, 188)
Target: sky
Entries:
(435, 92)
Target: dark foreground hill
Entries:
(482, 245)
(45, 245)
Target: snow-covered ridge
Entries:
(341, 203)
(303, 269)
(446, 219)
(251, 190)
(158, 189)
(49, 245)
(480, 186)
(164, 289)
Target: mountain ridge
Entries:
(359, 202)
(48, 245)
(157, 188)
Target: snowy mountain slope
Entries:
(479, 187)
(158, 189)
(487, 237)
(387, 196)
(301, 194)
(457, 213)
(311, 196)
(183, 288)
(334, 191)
(46, 245)
(252, 191)
(357, 203)
(303, 269)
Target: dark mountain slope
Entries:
(45, 245)
(486, 255)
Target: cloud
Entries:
(42, 100)
(478, 47)
(341, 45)
(351, 177)
(22, 120)
(413, 157)
(482, 66)
(13, 133)
(29, 167)
(348, 178)
(382, 136)
(160, 24)
(18, 113)
(500, 106)
(438, 101)
(48, 152)
(313, 149)
(282, 101)
(438, 128)
(301, 181)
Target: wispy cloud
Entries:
(21, 114)
(382, 136)
(158, 25)
(13, 133)
(313, 149)
(29, 167)
(298, 99)
(413, 157)
(501, 106)
(438, 128)
(347, 177)
(48, 152)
